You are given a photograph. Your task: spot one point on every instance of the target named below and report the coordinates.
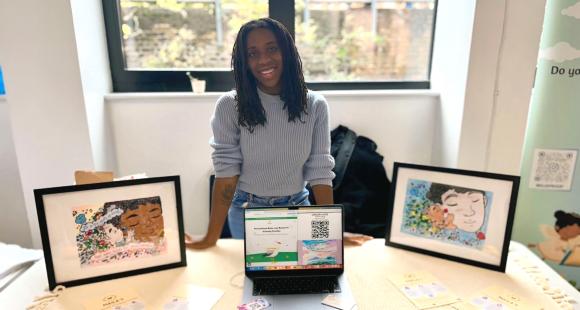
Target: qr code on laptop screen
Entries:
(553, 169)
(320, 229)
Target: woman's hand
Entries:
(199, 243)
(355, 239)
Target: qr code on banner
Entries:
(553, 169)
(320, 229)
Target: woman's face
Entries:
(146, 221)
(265, 60)
(468, 209)
(115, 235)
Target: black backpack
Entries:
(361, 183)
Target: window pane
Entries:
(195, 34)
(342, 40)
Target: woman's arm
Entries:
(222, 194)
(227, 161)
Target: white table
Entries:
(367, 269)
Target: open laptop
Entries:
(294, 256)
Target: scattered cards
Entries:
(492, 298)
(256, 304)
(339, 302)
(131, 305)
(121, 300)
(177, 303)
(198, 298)
(462, 305)
(424, 290)
(496, 298)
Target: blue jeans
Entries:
(236, 212)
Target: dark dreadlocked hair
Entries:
(293, 90)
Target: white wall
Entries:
(89, 27)
(515, 81)
(165, 134)
(483, 67)
(449, 70)
(14, 227)
(503, 56)
(479, 93)
(44, 94)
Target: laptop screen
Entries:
(294, 238)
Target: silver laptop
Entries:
(294, 256)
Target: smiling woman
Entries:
(271, 135)
(264, 57)
(265, 60)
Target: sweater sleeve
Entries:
(227, 154)
(318, 167)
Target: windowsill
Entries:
(326, 93)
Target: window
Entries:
(344, 44)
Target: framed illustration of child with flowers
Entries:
(102, 231)
(455, 214)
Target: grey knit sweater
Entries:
(277, 159)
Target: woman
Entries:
(271, 135)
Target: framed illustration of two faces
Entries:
(102, 231)
(460, 215)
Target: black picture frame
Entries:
(460, 215)
(103, 231)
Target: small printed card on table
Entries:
(423, 289)
(121, 300)
(255, 304)
(339, 302)
(461, 305)
(495, 297)
(491, 298)
(196, 297)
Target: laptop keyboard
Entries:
(295, 285)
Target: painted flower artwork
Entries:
(448, 213)
(119, 230)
